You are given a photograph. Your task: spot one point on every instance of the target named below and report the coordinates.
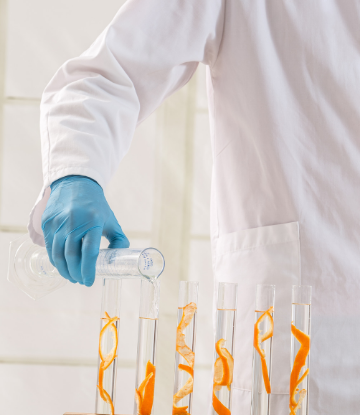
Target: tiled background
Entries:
(160, 195)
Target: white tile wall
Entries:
(21, 175)
(131, 191)
(202, 176)
(43, 34)
(202, 391)
(205, 341)
(46, 390)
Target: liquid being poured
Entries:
(154, 311)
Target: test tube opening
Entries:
(301, 294)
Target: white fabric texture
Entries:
(284, 100)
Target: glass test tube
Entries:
(224, 347)
(262, 353)
(146, 352)
(106, 375)
(300, 349)
(185, 340)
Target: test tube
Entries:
(109, 329)
(146, 352)
(185, 346)
(262, 353)
(300, 350)
(224, 348)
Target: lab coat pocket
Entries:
(265, 255)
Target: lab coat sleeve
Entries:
(91, 106)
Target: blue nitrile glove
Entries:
(76, 216)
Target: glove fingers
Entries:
(90, 252)
(73, 256)
(114, 234)
(58, 255)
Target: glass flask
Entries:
(32, 272)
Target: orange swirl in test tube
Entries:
(145, 394)
(260, 338)
(223, 376)
(106, 360)
(184, 350)
(299, 363)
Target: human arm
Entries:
(93, 103)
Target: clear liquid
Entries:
(225, 329)
(146, 350)
(301, 317)
(260, 398)
(109, 379)
(181, 376)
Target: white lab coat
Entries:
(284, 98)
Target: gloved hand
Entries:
(76, 216)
